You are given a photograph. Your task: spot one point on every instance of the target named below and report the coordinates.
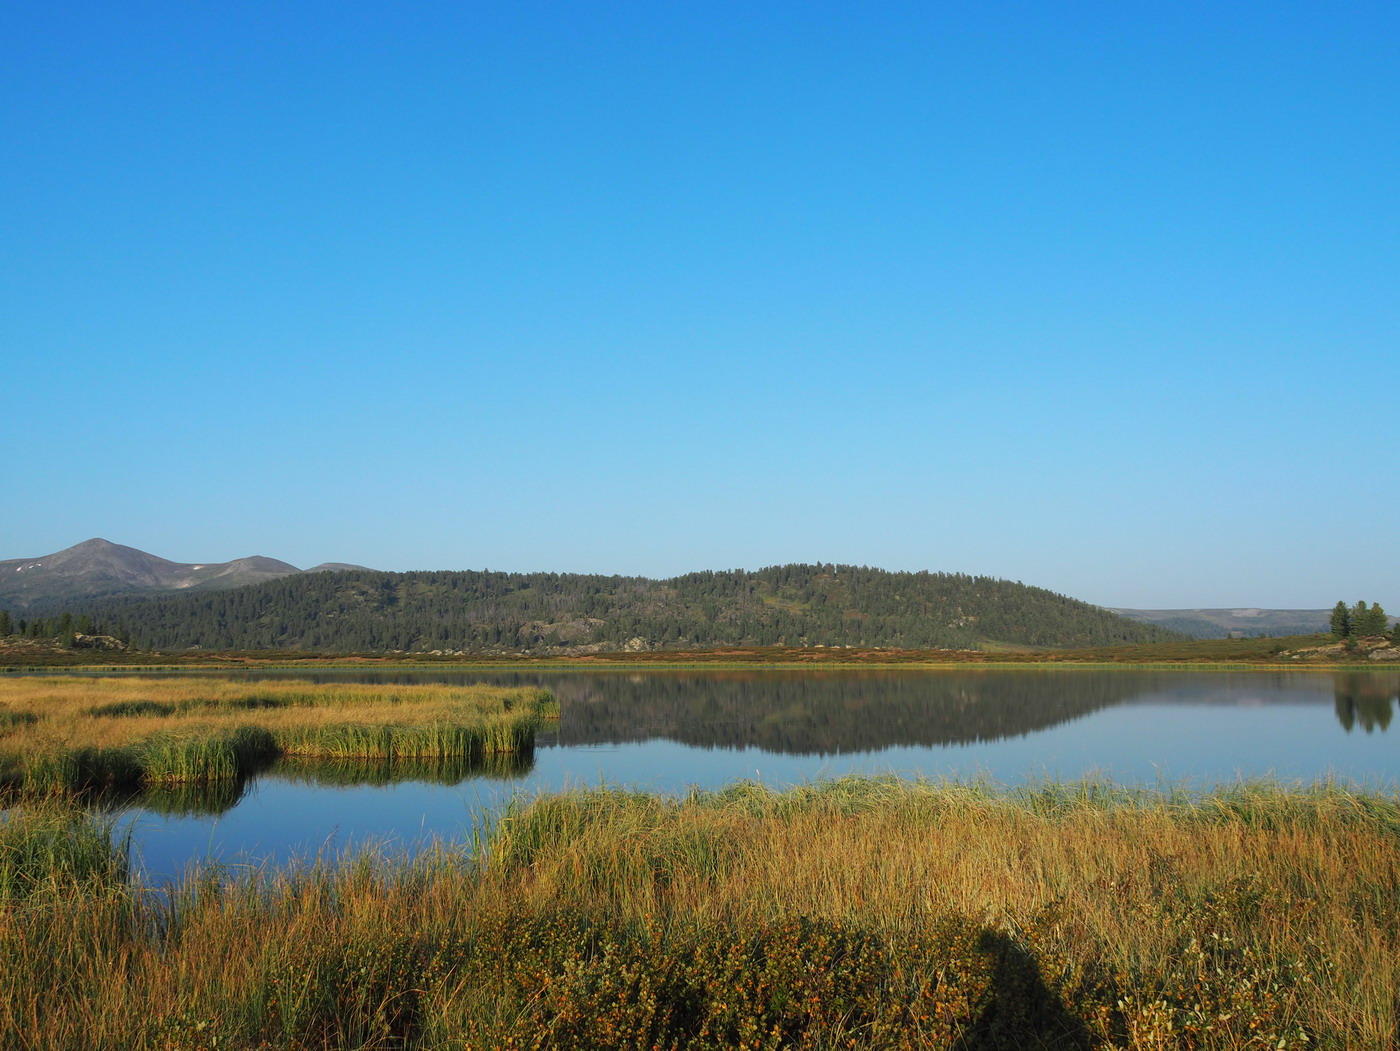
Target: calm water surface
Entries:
(666, 731)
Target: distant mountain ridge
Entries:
(1223, 623)
(100, 569)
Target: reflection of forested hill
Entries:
(826, 714)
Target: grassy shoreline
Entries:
(853, 913)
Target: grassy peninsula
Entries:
(71, 734)
(849, 914)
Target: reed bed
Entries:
(64, 735)
(856, 913)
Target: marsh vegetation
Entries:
(866, 913)
(66, 735)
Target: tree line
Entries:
(486, 612)
(1362, 621)
(65, 627)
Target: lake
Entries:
(665, 731)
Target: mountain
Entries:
(99, 569)
(1223, 623)
(555, 613)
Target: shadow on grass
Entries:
(1022, 1011)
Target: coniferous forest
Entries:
(487, 612)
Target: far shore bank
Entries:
(1306, 652)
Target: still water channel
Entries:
(667, 731)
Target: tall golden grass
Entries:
(853, 913)
(68, 733)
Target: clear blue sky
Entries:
(1101, 297)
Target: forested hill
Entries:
(484, 612)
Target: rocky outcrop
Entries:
(97, 642)
(1377, 648)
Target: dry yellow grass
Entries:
(1299, 888)
(63, 706)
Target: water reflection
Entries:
(829, 714)
(1365, 698)
(197, 799)
(213, 798)
(344, 773)
(808, 712)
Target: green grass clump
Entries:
(56, 850)
(163, 758)
(254, 704)
(10, 720)
(194, 757)
(131, 708)
(71, 771)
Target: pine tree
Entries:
(1372, 622)
(6, 625)
(1341, 621)
(1358, 619)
